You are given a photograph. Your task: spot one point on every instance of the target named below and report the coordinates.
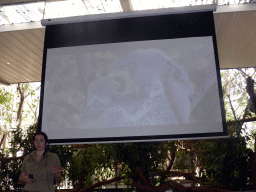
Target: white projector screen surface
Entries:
(130, 91)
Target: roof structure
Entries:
(22, 35)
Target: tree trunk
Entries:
(22, 90)
(2, 140)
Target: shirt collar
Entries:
(33, 154)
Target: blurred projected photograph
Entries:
(133, 84)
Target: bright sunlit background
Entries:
(30, 12)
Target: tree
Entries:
(226, 161)
(18, 104)
(11, 143)
(25, 90)
(6, 106)
(149, 166)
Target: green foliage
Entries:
(150, 156)
(181, 160)
(22, 141)
(65, 153)
(83, 166)
(91, 164)
(10, 104)
(5, 97)
(234, 91)
(226, 162)
(10, 169)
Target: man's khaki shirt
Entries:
(41, 171)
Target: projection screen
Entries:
(130, 79)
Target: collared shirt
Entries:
(43, 177)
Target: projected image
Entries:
(142, 88)
(156, 84)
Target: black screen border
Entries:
(199, 24)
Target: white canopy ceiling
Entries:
(21, 44)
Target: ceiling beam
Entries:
(235, 8)
(126, 5)
(17, 2)
(21, 26)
